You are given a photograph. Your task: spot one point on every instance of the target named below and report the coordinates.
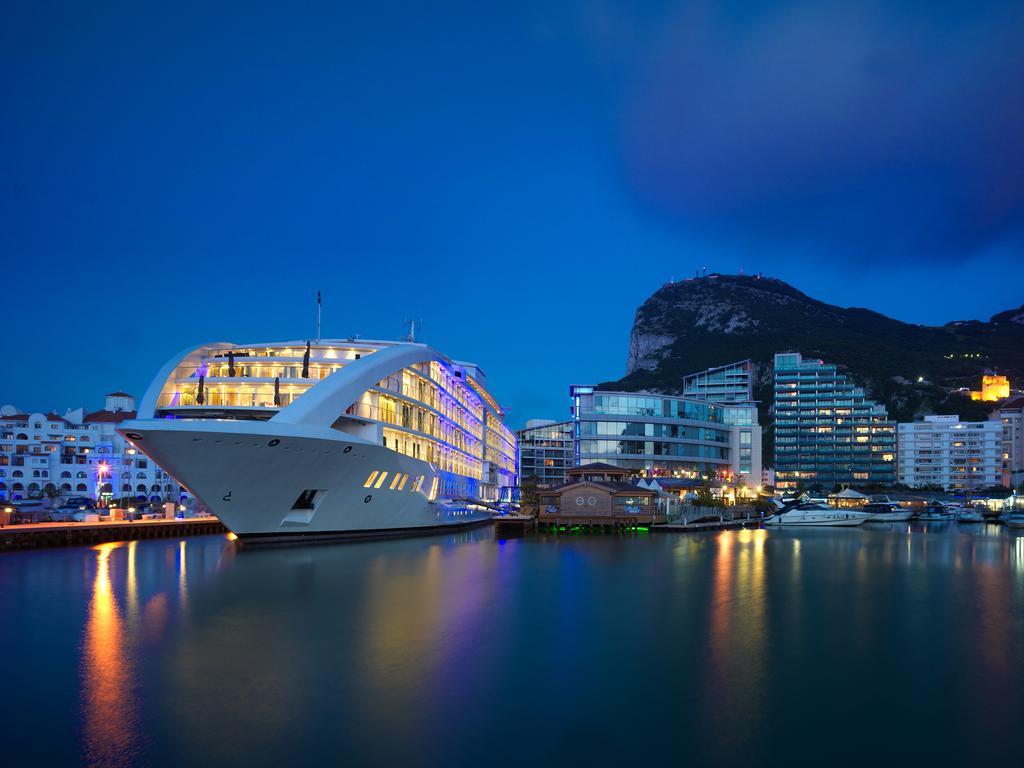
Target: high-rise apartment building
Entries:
(545, 450)
(1011, 415)
(955, 455)
(731, 383)
(827, 431)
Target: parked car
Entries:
(73, 509)
(30, 510)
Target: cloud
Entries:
(869, 128)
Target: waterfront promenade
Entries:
(34, 535)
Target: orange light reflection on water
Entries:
(109, 717)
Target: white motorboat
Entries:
(1014, 520)
(937, 512)
(887, 512)
(970, 515)
(818, 515)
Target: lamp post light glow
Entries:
(102, 470)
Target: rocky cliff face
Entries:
(703, 322)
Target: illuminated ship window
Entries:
(395, 480)
(370, 479)
(401, 485)
(380, 480)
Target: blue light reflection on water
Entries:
(746, 647)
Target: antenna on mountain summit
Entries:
(411, 325)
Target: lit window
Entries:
(395, 481)
(401, 485)
(370, 479)
(380, 480)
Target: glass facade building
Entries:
(666, 436)
(545, 450)
(827, 432)
(731, 383)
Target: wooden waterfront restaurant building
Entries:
(600, 494)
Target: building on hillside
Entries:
(827, 431)
(731, 383)
(667, 436)
(993, 389)
(1011, 415)
(545, 450)
(956, 455)
(77, 454)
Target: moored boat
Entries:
(816, 514)
(332, 438)
(1014, 520)
(937, 512)
(887, 512)
(970, 515)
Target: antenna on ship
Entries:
(411, 325)
(319, 307)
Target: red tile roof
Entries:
(108, 417)
(14, 417)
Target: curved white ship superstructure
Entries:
(334, 437)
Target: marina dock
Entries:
(514, 524)
(37, 535)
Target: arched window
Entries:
(65, 486)
(81, 487)
(50, 488)
(35, 473)
(17, 487)
(140, 488)
(81, 474)
(126, 475)
(21, 436)
(168, 488)
(3, 486)
(45, 473)
(17, 473)
(140, 475)
(155, 488)
(83, 439)
(33, 487)
(154, 498)
(126, 488)
(65, 474)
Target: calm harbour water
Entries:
(821, 647)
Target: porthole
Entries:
(368, 499)
(348, 449)
(133, 435)
(273, 442)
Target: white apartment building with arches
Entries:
(77, 454)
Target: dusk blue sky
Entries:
(521, 176)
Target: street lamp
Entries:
(102, 470)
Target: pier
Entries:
(37, 535)
(514, 524)
(553, 523)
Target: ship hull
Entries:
(270, 482)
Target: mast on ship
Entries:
(411, 325)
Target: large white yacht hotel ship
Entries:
(333, 437)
